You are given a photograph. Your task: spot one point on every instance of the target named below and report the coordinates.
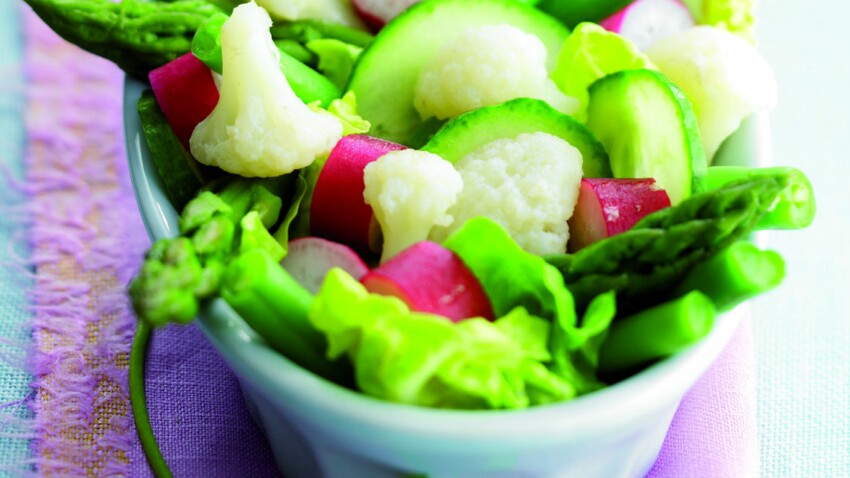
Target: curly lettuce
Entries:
(736, 16)
(536, 351)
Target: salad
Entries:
(452, 203)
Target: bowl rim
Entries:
(628, 402)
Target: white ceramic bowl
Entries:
(318, 429)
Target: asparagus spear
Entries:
(796, 206)
(735, 274)
(216, 226)
(640, 264)
(136, 35)
(656, 333)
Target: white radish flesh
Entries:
(309, 259)
(644, 22)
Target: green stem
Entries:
(795, 207)
(138, 402)
(735, 274)
(656, 333)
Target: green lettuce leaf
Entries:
(588, 54)
(345, 109)
(423, 359)
(736, 16)
(336, 58)
(512, 277)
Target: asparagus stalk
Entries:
(656, 333)
(136, 35)
(640, 264)
(735, 274)
(795, 207)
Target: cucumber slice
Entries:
(385, 75)
(471, 130)
(649, 129)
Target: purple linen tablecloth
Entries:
(87, 241)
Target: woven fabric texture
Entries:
(15, 275)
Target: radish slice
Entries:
(338, 211)
(430, 278)
(611, 206)
(644, 22)
(186, 93)
(309, 259)
(377, 13)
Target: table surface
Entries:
(802, 329)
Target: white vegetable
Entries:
(724, 76)
(528, 184)
(484, 66)
(410, 192)
(333, 11)
(259, 127)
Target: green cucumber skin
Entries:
(473, 129)
(384, 77)
(573, 12)
(181, 174)
(649, 129)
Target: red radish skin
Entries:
(309, 259)
(377, 13)
(338, 211)
(186, 93)
(430, 278)
(610, 206)
(644, 22)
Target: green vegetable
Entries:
(736, 16)
(336, 58)
(795, 207)
(303, 31)
(297, 51)
(472, 130)
(573, 12)
(656, 333)
(590, 53)
(640, 264)
(427, 360)
(136, 35)
(181, 175)
(649, 130)
(138, 401)
(512, 277)
(276, 306)
(179, 273)
(735, 274)
(345, 110)
(308, 84)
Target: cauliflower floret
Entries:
(259, 128)
(410, 192)
(484, 66)
(723, 75)
(528, 184)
